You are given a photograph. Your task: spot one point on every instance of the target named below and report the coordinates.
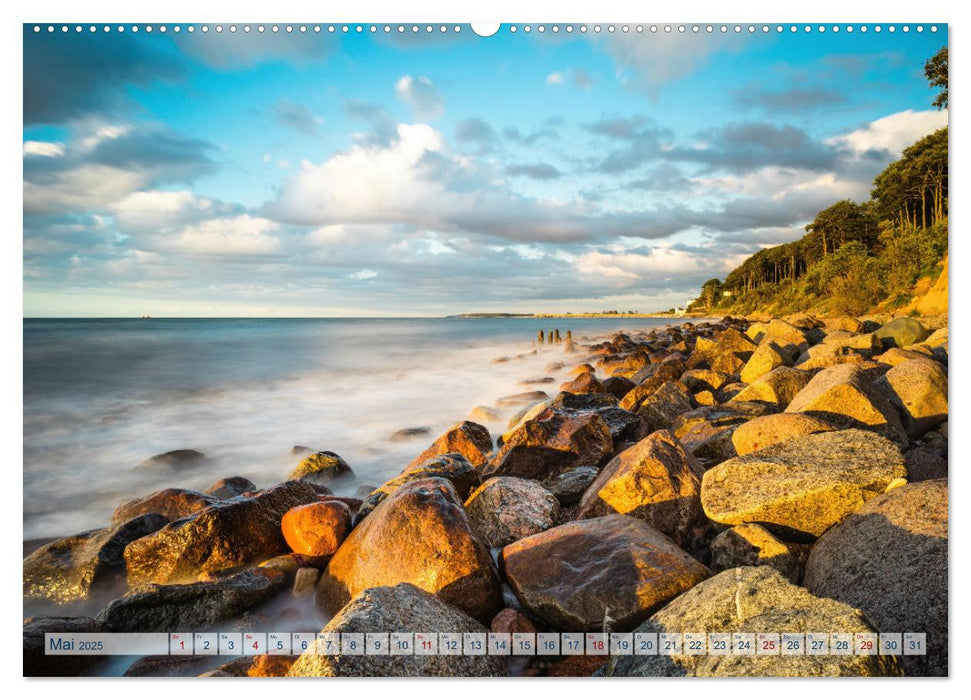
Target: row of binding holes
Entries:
(442, 29)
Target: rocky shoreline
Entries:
(717, 476)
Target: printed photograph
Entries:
(524, 350)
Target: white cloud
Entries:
(421, 95)
(242, 235)
(46, 149)
(893, 133)
(83, 188)
(660, 263)
(554, 79)
(363, 275)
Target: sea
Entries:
(102, 395)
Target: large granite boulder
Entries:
(802, 487)
(552, 442)
(570, 485)
(454, 467)
(890, 560)
(225, 535)
(191, 606)
(321, 468)
(661, 408)
(468, 439)
(585, 383)
(765, 431)
(399, 608)
(87, 564)
(420, 534)
(901, 332)
(846, 396)
(778, 387)
(655, 480)
(575, 576)
(706, 432)
(750, 544)
(918, 390)
(230, 487)
(317, 529)
(171, 503)
(767, 357)
(622, 424)
(506, 508)
(753, 599)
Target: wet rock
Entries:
(420, 534)
(190, 606)
(317, 529)
(222, 536)
(550, 443)
(300, 451)
(623, 425)
(779, 427)
(88, 564)
(305, 582)
(525, 397)
(777, 387)
(662, 407)
(890, 560)
(322, 468)
(750, 544)
(401, 607)
(569, 486)
(706, 432)
(918, 390)
(585, 383)
(667, 370)
(505, 509)
(453, 467)
(618, 387)
(409, 433)
(655, 480)
(172, 504)
(901, 332)
(753, 599)
(844, 395)
(39, 664)
(231, 486)
(468, 439)
(176, 459)
(802, 487)
(927, 461)
(574, 576)
(767, 357)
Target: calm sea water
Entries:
(101, 395)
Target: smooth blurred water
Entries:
(101, 395)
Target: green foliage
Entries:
(935, 70)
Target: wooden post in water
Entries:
(569, 336)
(549, 337)
(558, 335)
(539, 337)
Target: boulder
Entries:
(88, 564)
(918, 390)
(585, 383)
(706, 432)
(704, 398)
(844, 395)
(506, 508)
(401, 607)
(420, 534)
(39, 664)
(622, 423)
(511, 621)
(453, 467)
(895, 356)
(751, 544)
(661, 372)
(305, 582)
(484, 414)
(767, 357)
(661, 408)
(890, 560)
(222, 536)
(576, 575)
(176, 459)
(190, 606)
(777, 387)
(231, 486)
(927, 461)
(753, 599)
(655, 480)
(172, 504)
(726, 352)
(617, 387)
(468, 439)
(321, 468)
(550, 443)
(901, 332)
(317, 529)
(704, 380)
(843, 323)
(778, 427)
(802, 487)
(569, 486)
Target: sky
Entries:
(425, 174)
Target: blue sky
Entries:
(359, 174)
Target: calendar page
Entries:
(524, 349)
